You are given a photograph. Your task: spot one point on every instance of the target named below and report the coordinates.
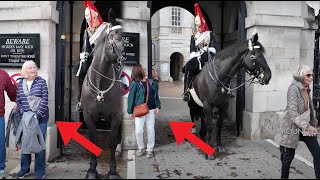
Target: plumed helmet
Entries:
(91, 13)
(199, 19)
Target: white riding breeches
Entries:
(149, 119)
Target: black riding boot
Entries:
(186, 94)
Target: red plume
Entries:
(203, 24)
(91, 6)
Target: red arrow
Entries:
(68, 131)
(181, 131)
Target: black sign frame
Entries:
(131, 48)
(15, 49)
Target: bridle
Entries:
(258, 73)
(117, 67)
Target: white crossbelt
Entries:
(99, 30)
(202, 36)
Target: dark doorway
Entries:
(176, 60)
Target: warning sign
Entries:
(126, 81)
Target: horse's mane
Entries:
(237, 47)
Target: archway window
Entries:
(175, 20)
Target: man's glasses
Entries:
(309, 75)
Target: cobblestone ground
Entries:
(243, 158)
(78, 159)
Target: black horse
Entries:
(101, 96)
(212, 84)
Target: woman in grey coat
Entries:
(298, 122)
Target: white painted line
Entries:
(13, 171)
(131, 170)
(275, 144)
(171, 98)
(297, 156)
(304, 160)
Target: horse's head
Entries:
(255, 62)
(111, 45)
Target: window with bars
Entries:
(175, 20)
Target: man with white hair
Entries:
(202, 48)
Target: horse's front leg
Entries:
(193, 130)
(113, 142)
(209, 128)
(222, 112)
(203, 128)
(92, 172)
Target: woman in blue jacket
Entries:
(36, 86)
(137, 95)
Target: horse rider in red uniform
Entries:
(95, 27)
(202, 49)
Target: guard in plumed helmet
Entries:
(95, 26)
(202, 49)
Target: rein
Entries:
(251, 80)
(118, 68)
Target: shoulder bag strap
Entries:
(147, 91)
(25, 89)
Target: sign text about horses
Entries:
(15, 49)
(131, 43)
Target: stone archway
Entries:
(176, 60)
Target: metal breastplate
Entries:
(203, 39)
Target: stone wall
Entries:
(135, 18)
(287, 33)
(35, 17)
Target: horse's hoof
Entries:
(221, 149)
(210, 157)
(91, 175)
(113, 176)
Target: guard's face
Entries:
(197, 21)
(94, 20)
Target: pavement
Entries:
(243, 158)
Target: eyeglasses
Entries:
(309, 75)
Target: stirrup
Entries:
(79, 107)
(186, 96)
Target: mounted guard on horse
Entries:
(90, 37)
(202, 49)
(100, 69)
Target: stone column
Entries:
(135, 18)
(287, 34)
(36, 17)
